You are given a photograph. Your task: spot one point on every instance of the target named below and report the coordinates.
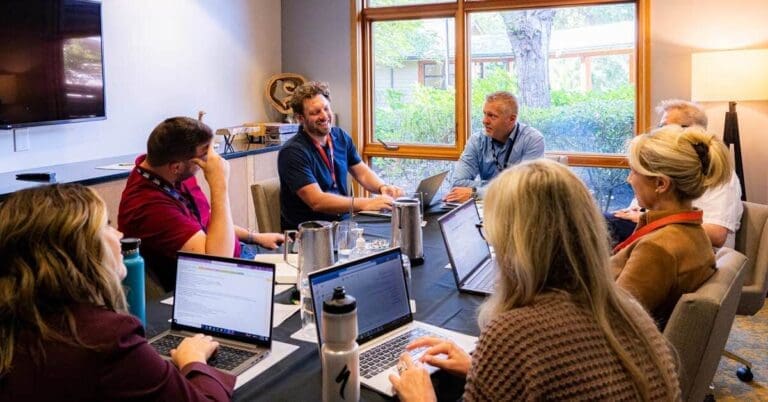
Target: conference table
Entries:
(298, 377)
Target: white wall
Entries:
(316, 44)
(681, 27)
(167, 58)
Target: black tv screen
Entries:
(51, 65)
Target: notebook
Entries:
(229, 299)
(428, 188)
(471, 260)
(384, 317)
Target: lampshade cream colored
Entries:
(731, 75)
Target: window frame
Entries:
(460, 10)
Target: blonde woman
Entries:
(557, 327)
(64, 330)
(669, 253)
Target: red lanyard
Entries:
(324, 156)
(682, 217)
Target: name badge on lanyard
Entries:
(329, 162)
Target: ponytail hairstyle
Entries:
(693, 159)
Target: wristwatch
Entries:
(474, 193)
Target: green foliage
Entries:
(575, 17)
(396, 40)
(426, 115)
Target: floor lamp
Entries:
(730, 76)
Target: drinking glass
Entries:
(345, 239)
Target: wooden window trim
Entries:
(362, 73)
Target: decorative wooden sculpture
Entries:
(279, 90)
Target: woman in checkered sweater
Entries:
(557, 327)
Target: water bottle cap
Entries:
(130, 243)
(340, 302)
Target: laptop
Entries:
(471, 260)
(229, 299)
(428, 188)
(384, 317)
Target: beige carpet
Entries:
(748, 339)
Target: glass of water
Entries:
(345, 239)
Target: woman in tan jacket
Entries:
(669, 253)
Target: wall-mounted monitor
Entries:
(51, 64)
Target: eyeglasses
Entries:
(480, 229)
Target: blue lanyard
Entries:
(499, 166)
(185, 198)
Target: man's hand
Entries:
(456, 362)
(413, 384)
(194, 349)
(391, 191)
(379, 203)
(629, 214)
(215, 168)
(269, 240)
(458, 194)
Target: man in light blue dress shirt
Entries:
(505, 142)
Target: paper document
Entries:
(279, 351)
(285, 273)
(118, 166)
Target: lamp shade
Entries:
(730, 75)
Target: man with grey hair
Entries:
(506, 141)
(721, 205)
(682, 113)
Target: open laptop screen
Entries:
(466, 246)
(224, 296)
(377, 283)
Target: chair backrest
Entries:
(266, 202)
(699, 326)
(752, 241)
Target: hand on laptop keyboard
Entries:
(443, 354)
(198, 348)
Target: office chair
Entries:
(701, 322)
(266, 202)
(752, 241)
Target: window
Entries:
(576, 68)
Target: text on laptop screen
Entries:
(467, 247)
(224, 297)
(378, 285)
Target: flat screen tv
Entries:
(51, 65)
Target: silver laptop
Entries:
(229, 299)
(429, 188)
(471, 260)
(384, 317)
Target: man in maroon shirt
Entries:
(163, 205)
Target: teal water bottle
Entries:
(134, 280)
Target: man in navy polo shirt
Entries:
(313, 166)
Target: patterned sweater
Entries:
(554, 350)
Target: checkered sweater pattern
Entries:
(554, 350)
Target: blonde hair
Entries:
(693, 159)
(558, 245)
(54, 256)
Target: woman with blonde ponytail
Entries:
(557, 327)
(669, 253)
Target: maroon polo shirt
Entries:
(162, 222)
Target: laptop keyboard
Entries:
(377, 359)
(486, 278)
(225, 357)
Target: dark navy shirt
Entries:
(300, 164)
